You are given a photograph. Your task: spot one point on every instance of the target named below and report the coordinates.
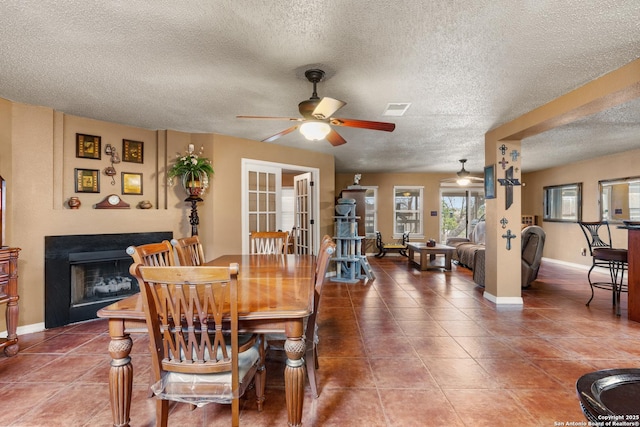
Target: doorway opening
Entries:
(278, 196)
(461, 208)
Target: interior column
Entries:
(503, 218)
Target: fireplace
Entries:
(84, 273)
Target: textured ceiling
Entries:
(465, 66)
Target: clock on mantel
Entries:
(112, 201)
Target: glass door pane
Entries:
(461, 209)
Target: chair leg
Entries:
(235, 412)
(260, 378)
(310, 359)
(162, 413)
(616, 269)
(590, 284)
(380, 253)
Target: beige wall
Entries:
(385, 183)
(37, 147)
(229, 152)
(564, 240)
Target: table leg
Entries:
(120, 374)
(424, 263)
(410, 256)
(294, 372)
(447, 260)
(12, 324)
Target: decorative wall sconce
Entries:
(114, 157)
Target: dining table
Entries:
(275, 295)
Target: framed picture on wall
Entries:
(490, 182)
(131, 183)
(132, 151)
(87, 180)
(88, 146)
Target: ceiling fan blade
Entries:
(279, 134)
(363, 124)
(291, 119)
(327, 107)
(335, 139)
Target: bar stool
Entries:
(605, 256)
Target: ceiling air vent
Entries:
(396, 109)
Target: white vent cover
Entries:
(396, 109)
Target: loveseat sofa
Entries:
(466, 249)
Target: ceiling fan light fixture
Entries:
(315, 131)
(463, 181)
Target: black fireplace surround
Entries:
(63, 254)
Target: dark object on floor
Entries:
(610, 394)
(383, 248)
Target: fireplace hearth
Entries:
(84, 273)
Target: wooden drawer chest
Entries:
(9, 296)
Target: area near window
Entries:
(562, 203)
(461, 210)
(407, 211)
(620, 199)
(371, 209)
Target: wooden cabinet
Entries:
(9, 296)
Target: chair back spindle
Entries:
(153, 254)
(269, 242)
(189, 250)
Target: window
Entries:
(288, 211)
(620, 199)
(563, 203)
(407, 211)
(371, 211)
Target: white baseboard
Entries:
(500, 301)
(26, 329)
(566, 263)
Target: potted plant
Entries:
(194, 171)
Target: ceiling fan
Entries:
(317, 117)
(464, 176)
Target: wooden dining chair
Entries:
(327, 249)
(189, 250)
(194, 360)
(153, 254)
(268, 242)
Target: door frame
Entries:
(246, 163)
(444, 187)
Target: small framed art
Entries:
(490, 182)
(88, 146)
(131, 183)
(132, 151)
(87, 180)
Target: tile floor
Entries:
(409, 349)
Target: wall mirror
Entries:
(620, 199)
(562, 203)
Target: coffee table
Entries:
(429, 261)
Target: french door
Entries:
(262, 202)
(303, 242)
